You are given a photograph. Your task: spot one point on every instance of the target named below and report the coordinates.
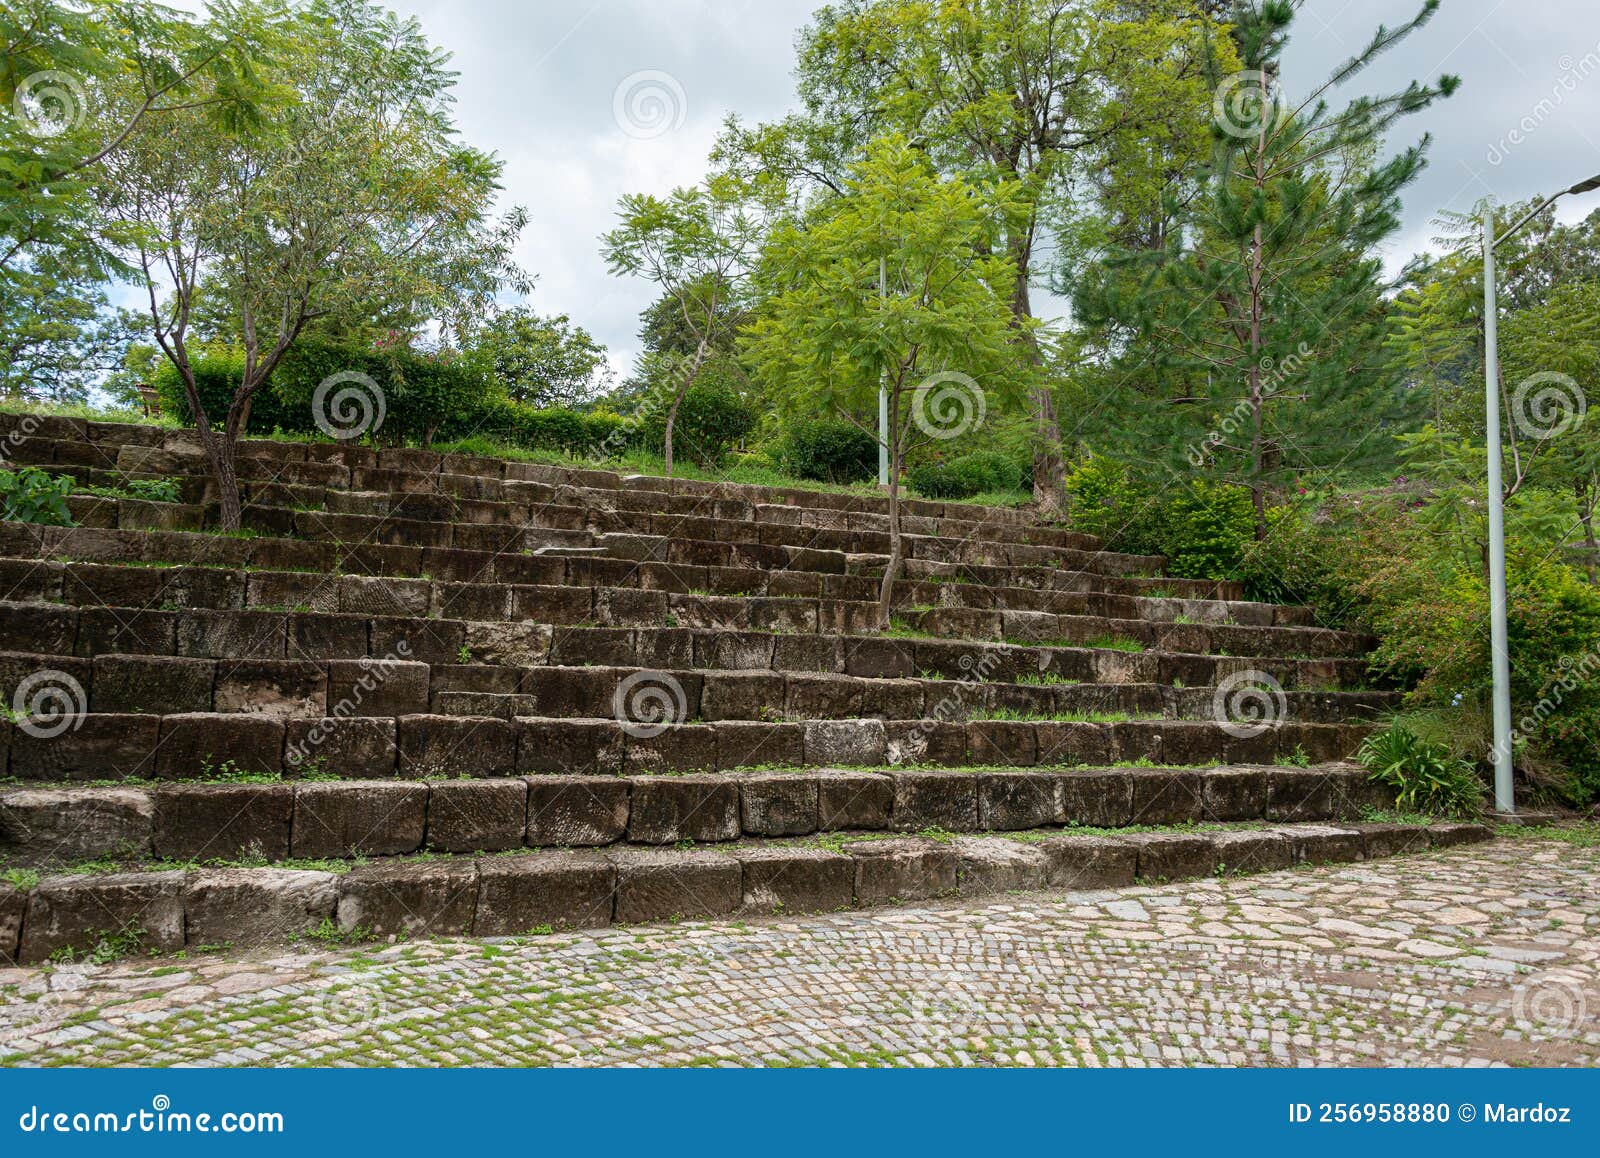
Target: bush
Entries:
(712, 419)
(1425, 776)
(216, 377)
(1205, 529)
(32, 496)
(562, 431)
(961, 478)
(423, 395)
(830, 451)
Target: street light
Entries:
(1504, 798)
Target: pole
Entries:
(883, 394)
(1504, 797)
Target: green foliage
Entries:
(1425, 776)
(598, 433)
(423, 393)
(217, 374)
(155, 490)
(537, 361)
(828, 450)
(1206, 529)
(965, 476)
(712, 419)
(32, 496)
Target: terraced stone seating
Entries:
(412, 653)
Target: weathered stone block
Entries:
(667, 886)
(750, 744)
(778, 804)
(1324, 844)
(848, 800)
(450, 746)
(377, 687)
(1392, 839)
(43, 827)
(1096, 797)
(947, 800)
(1173, 856)
(13, 904)
(990, 865)
(356, 748)
(426, 899)
(155, 684)
(832, 743)
(1009, 801)
(278, 689)
(677, 748)
(1251, 851)
(576, 811)
(556, 890)
(206, 822)
(902, 870)
(142, 910)
(1089, 862)
(109, 747)
(568, 747)
(741, 695)
(667, 809)
(1233, 794)
(1165, 796)
(1452, 835)
(477, 815)
(1063, 744)
(200, 745)
(248, 907)
(361, 818)
(796, 880)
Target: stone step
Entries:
(165, 912)
(294, 688)
(122, 571)
(205, 745)
(205, 822)
(45, 628)
(137, 449)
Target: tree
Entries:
(698, 246)
(1268, 305)
(1041, 94)
(352, 200)
(937, 325)
(539, 361)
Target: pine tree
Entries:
(1264, 314)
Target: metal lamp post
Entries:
(1504, 797)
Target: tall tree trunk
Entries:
(1591, 549)
(677, 401)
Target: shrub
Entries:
(216, 377)
(425, 395)
(32, 496)
(554, 429)
(1205, 529)
(155, 490)
(830, 451)
(965, 476)
(712, 419)
(1425, 776)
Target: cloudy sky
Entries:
(540, 86)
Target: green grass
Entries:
(1584, 834)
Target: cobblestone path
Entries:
(1475, 956)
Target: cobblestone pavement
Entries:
(1475, 956)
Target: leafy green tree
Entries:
(936, 333)
(538, 361)
(1043, 95)
(1268, 306)
(698, 246)
(353, 199)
